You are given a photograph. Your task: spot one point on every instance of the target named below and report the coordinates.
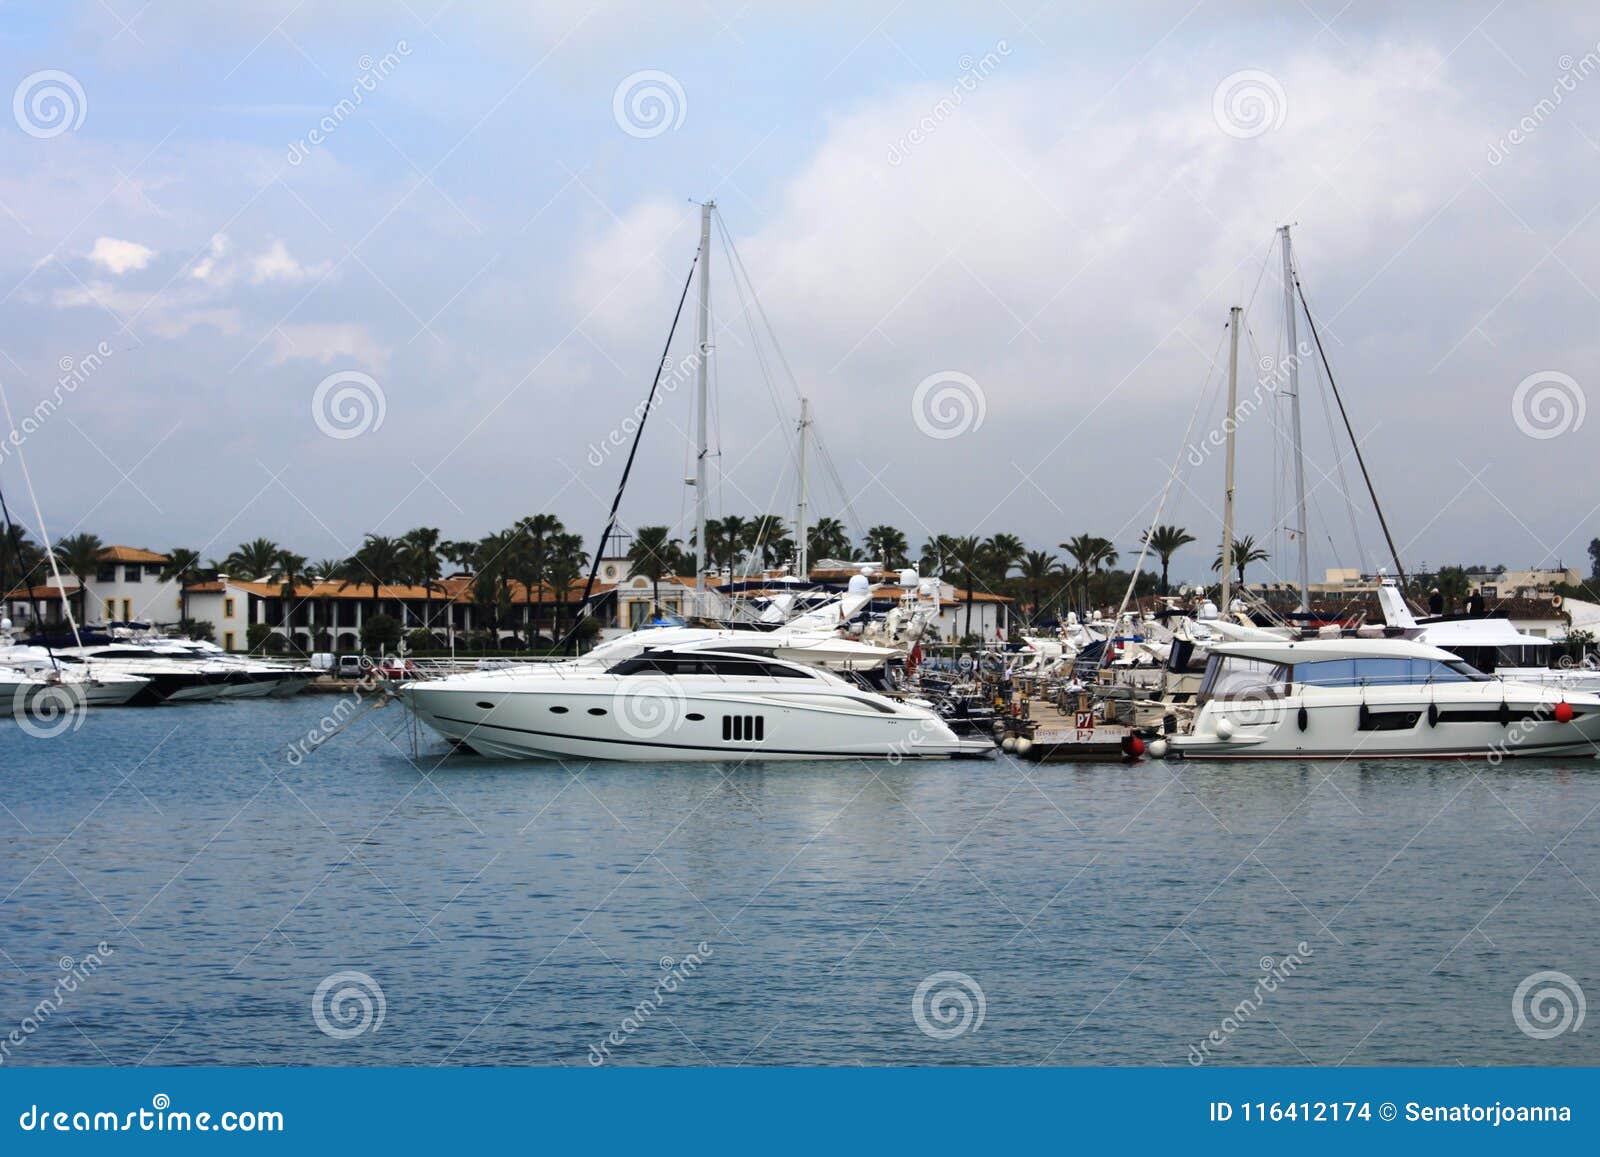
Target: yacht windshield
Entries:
(726, 666)
(1230, 676)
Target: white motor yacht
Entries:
(682, 703)
(1321, 698)
(24, 687)
(1489, 642)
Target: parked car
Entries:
(353, 666)
(394, 667)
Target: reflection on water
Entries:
(353, 910)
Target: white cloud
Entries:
(278, 264)
(207, 268)
(324, 342)
(119, 257)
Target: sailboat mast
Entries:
(704, 347)
(802, 521)
(1302, 529)
(1230, 424)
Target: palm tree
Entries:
(651, 555)
(828, 539)
(1038, 568)
(379, 560)
(533, 560)
(253, 559)
(767, 536)
(18, 558)
(1166, 541)
(460, 553)
(936, 554)
(79, 555)
(888, 544)
(421, 549)
(325, 568)
(967, 554)
(725, 539)
(1245, 552)
(293, 566)
(181, 567)
(567, 562)
(1003, 551)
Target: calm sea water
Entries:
(524, 913)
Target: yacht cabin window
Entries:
(1382, 672)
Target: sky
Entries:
(309, 271)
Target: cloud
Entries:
(119, 257)
(326, 342)
(207, 268)
(278, 264)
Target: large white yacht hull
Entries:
(572, 722)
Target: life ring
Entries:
(1556, 602)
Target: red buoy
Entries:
(1135, 746)
(1564, 712)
